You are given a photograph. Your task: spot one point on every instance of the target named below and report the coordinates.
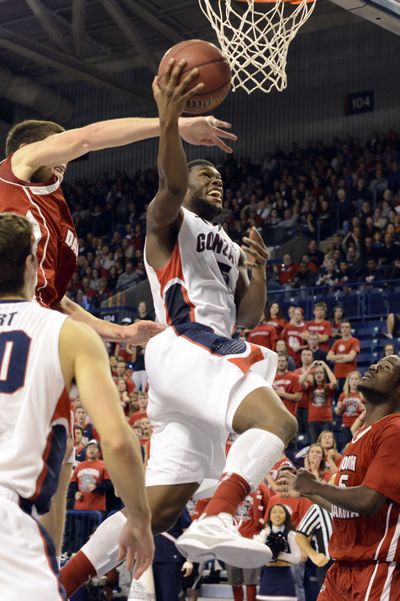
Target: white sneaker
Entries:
(218, 537)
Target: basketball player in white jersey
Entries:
(41, 353)
(203, 384)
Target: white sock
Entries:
(253, 454)
(102, 547)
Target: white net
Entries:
(255, 38)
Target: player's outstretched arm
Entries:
(172, 165)
(136, 333)
(66, 146)
(84, 359)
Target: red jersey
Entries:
(45, 207)
(371, 459)
(305, 399)
(320, 407)
(290, 383)
(296, 507)
(263, 335)
(343, 346)
(291, 335)
(323, 328)
(353, 405)
(86, 473)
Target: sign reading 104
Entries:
(359, 102)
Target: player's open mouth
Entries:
(215, 194)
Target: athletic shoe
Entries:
(218, 536)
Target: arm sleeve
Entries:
(355, 346)
(385, 461)
(294, 556)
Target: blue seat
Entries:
(367, 332)
(351, 306)
(393, 302)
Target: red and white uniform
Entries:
(35, 420)
(56, 240)
(291, 335)
(366, 548)
(198, 374)
(322, 328)
(289, 382)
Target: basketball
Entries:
(214, 73)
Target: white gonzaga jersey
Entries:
(198, 283)
(34, 404)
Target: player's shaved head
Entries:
(381, 382)
(31, 130)
(16, 236)
(199, 163)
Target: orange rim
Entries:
(275, 1)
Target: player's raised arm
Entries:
(172, 165)
(83, 358)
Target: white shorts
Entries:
(197, 382)
(28, 564)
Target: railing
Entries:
(359, 300)
(79, 526)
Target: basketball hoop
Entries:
(254, 35)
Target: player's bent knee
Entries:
(164, 519)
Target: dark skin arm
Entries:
(359, 499)
(251, 295)
(164, 212)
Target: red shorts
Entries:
(361, 581)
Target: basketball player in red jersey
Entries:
(365, 500)
(30, 184)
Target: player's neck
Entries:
(374, 413)
(42, 175)
(14, 297)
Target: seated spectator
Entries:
(344, 354)
(274, 317)
(336, 321)
(314, 254)
(141, 413)
(287, 270)
(128, 277)
(143, 312)
(123, 394)
(292, 335)
(320, 390)
(286, 385)
(304, 277)
(90, 481)
(281, 350)
(263, 334)
(320, 326)
(372, 273)
(328, 274)
(350, 405)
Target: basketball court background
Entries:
(82, 64)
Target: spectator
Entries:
(274, 317)
(139, 375)
(81, 419)
(264, 334)
(344, 354)
(350, 405)
(328, 274)
(143, 312)
(128, 277)
(320, 391)
(313, 345)
(281, 350)
(315, 255)
(80, 450)
(336, 321)
(314, 462)
(123, 394)
(287, 270)
(142, 411)
(392, 326)
(332, 457)
(320, 326)
(287, 386)
(304, 277)
(389, 349)
(293, 335)
(303, 404)
(90, 481)
(121, 373)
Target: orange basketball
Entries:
(214, 73)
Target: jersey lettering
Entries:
(72, 241)
(349, 462)
(214, 242)
(14, 351)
